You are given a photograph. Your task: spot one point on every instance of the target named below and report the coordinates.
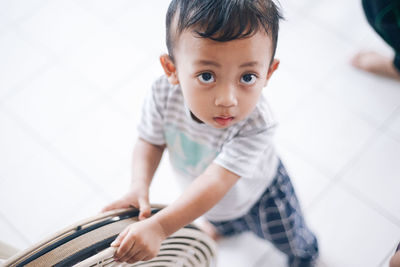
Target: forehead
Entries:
(256, 47)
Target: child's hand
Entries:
(137, 197)
(140, 241)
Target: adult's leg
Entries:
(395, 260)
(384, 18)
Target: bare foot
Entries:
(395, 260)
(209, 229)
(375, 63)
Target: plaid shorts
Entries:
(277, 217)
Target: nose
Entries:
(226, 97)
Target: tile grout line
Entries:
(386, 124)
(390, 253)
(370, 203)
(57, 155)
(21, 85)
(57, 57)
(42, 48)
(100, 99)
(339, 175)
(19, 234)
(336, 178)
(360, 114)
(14, 23)
(104, 18)
(323, 25)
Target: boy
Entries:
(208, 111)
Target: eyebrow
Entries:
(216, 64)
(249, 64)
(207, 63)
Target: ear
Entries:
(169, 69)
(272, 68)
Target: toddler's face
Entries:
(221, 81)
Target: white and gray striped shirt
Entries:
(244, 148)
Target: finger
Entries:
(147, 258)
(116, 205)
(143, 255)
(108, 207)
(127, 249)
(136, 257)
(123, 250)
(144, 208)
(119, 238)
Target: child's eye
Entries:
(248, 78)
(206, 77)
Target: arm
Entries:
(141, 241)
(145, 160)
(201, 195)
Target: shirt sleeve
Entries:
(242, 153)
(150, 126)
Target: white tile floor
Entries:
(72, 77)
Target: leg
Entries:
(397, 61)
(376, 63)
(230, 228)
(277, 217)
(395, 260)
(384, 18)
(209, 229)
(280, 220)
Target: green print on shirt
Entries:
(187, 155)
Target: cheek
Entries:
(195, 97)
(248, 100)
(198, 100)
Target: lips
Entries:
(223, 120)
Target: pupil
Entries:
(247, 78)
(206, 76)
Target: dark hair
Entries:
(222, 20)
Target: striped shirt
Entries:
(244, 148)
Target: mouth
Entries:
(223, 120)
